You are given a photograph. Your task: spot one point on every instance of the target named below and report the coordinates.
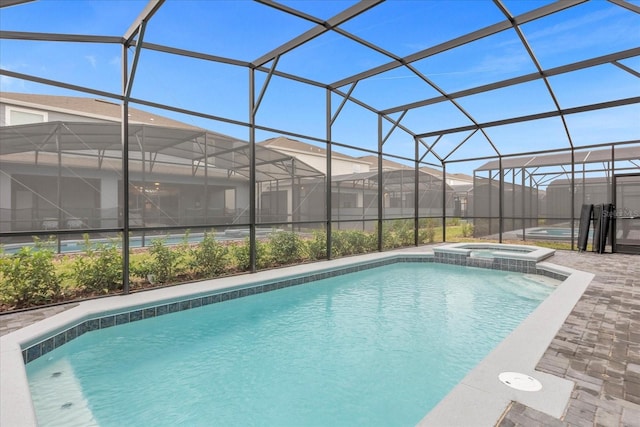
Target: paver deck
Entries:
(598, 347)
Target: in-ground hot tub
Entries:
(496, 256)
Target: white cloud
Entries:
(92, 60)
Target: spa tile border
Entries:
(503, 264)
(43, 347)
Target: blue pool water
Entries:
(378, 348)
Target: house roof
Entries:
(386, 163)
(285, 143)
(90, 107)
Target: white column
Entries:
(5, 202)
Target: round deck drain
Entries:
(520, 381)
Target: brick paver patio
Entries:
(598, 347)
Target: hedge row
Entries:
(36, 276)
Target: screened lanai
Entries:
(543, 194)
(462, 89)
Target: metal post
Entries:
(124, 134)
(524, 204)
(500, 200)
(490, 202)
(252, 172)
(205, 203)
(513, 198)
(294, 193)
(613, 201)
(573, 198)
(327, 195)
(444, 202)
(380, 186)
(416, 199)
(58, 189)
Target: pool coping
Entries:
(16, 407)
(484, 397)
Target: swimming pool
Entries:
(376, 347)
(520, 357)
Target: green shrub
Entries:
(341, 245)
(140, 265)
(317, 246)
(286, 247)
(467, 230)
(183, 258)
(162, 267)
(241, 255)
(390, 239)
(28, 277)
(404, 234)
(427, 234)
(209, 257)
(371, 242)
(361, 242)
(99, 269)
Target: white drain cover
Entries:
(520, 381)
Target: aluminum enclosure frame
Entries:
(267, 64)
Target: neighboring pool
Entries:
(380, 346)
(78, 245)
(552, 233)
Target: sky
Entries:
(244, 30)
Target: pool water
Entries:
(379, 347)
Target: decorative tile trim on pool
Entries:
(43, 347)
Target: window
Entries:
(20, 116)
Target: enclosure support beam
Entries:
(529, 50)
(612, 199)
(124, 135)
(416, 199)
(59, 185)
(444, 201)
(462, 40)
(136, 57)
(149, 10)
(525, 217)
(380, 184)
(314, 32)
(294, 194)
(143, 157)
(500, 200)
(582, 109)
(205, 204)
(327, 195)
(252, 172)
(333, 118)
(550, 72)
(573, 198)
